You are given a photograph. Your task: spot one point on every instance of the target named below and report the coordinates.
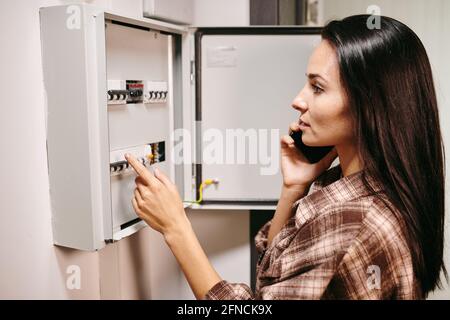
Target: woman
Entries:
(369, 228)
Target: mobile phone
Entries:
(313, 154)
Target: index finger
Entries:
(293, 127)
(140, 169)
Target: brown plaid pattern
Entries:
(341, 243)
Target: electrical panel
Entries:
(118, 85)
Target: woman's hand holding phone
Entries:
(298, 172)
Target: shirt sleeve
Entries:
(224, 290)
(261, 238)
(309, 285)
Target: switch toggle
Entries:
(117, 96)
(147, 155)
(119, 166)
(156, 92)
(117, 92)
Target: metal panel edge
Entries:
(76, 223)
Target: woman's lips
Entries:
(303, 125)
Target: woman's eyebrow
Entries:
(315, 75)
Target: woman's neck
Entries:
(349, 160)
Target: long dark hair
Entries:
(389, 85)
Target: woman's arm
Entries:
(298, 175)
(157, 202)
(284, 209)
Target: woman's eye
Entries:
(316, 89)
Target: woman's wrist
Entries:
(287, 198)
(294, 190)
(178, 233)
(289, 195)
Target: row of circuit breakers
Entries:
(152, 153)
(135, 91)
(121, 92)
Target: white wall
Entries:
(139, 267)
(31, 267)
(429, 19)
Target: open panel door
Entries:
(246, 79)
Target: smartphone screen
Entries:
(313, 154)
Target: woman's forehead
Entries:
(323, 61)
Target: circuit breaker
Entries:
(159, 91)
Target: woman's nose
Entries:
(299, 104)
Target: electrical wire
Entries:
(205, 183)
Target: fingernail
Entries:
(126, 156)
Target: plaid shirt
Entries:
(341, 243)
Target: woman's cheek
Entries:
(326, 127)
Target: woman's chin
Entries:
(307, 141)
(311, 142)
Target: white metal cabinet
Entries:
(217, 79)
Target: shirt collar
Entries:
(329, 188)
